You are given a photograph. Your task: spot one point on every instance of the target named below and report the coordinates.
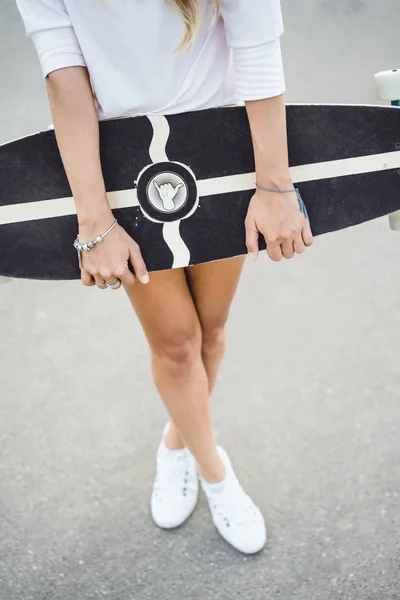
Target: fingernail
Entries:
(253, 255)
(145, 278)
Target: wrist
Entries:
(281, 181)
(95, 224)
(94, 213)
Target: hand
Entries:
(108, 260)
(167, 193)
(279, 219)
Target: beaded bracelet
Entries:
(89, 245)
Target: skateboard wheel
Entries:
(387, 85)
(394, 220)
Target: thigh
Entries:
(213, 286)
(165, 308)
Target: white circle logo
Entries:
(167, 192)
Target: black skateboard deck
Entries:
(180, 185)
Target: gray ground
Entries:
(307, 404)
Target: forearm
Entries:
(267, 120)
(77, 130)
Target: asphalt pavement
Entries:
(307, 402)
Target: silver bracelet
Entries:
(89, 245)
(275, 191)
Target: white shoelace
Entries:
(174, 472)
(234, 506)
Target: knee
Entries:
(179, 351)
(213, 340)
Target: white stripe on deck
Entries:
(60, 207)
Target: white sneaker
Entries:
(176, 487)
(238, 520)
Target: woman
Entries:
(112, 58)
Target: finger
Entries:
(87, 278)
(307, 234)
(124, 274)
(178, 187)
(138, 264)
(274, 251)
(298, 245)
(252, 235)
(156, 184)
(105, 276)
(287, 249)
(99, 281)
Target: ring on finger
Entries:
(101, 284)
(114, 286)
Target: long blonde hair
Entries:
(190, 11)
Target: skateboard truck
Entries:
(387, 84)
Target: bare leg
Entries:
(184, 336)
(212, 286)
(167, 313)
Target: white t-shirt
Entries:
(127, 46)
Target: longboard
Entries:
(180, 184)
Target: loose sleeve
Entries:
(48, 24)
(253, 29)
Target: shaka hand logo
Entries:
(167, 193)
